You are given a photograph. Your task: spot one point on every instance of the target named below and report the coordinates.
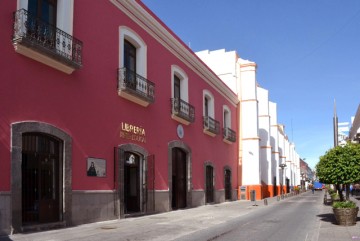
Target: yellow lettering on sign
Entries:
(132, 132)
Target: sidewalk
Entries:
(330, 231)
(176, 224)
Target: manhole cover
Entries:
(108, 227)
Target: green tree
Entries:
(340, 165)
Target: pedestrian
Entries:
(312, 189)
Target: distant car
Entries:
(318, 186)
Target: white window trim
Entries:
(141, 49)
(64, 14)
(184, 90)
(227, 122)
(211, 103)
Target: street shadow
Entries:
(328, 217)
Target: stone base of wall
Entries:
(219, 196)
(5, 213)
(235, 193)
(198, 198)
(93, 206)
(162, 203)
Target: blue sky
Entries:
(307, 52)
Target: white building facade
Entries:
(263, 144)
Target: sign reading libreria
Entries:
(132, 132)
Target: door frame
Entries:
(119, 174)
(189, 187)
(17, 131)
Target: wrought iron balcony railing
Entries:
(211, 125)
(229, 135)
(43, 37)
(136, 85)
(183, 110)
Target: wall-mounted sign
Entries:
(132, 132)
(180, 131)
(96, 167)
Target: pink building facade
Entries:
(105, 113)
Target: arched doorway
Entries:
(135, 178)
(41, 153)
(41, 184)
(179, 179)
(179, 175)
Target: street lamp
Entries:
(282, 166)
(302, 181)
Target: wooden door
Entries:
(179, 179)
(209, 184)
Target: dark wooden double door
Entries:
(41, 182)
(179, 179)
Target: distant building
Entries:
(264, 144)
(354, 133)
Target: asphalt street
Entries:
(299, 217)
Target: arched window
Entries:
(208, 109)
(179, 81)
(62, 9)
(133, 51)
(226, 117)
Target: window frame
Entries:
(64, 14)
(184, 90)
(125, 33)
(226, 117)
(210, 104)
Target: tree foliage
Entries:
(340, 165)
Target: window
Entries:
(211, 126)
(227, 117)
(181, 110)
(229, 135)
(177, 87)
(56, 12)
(179, 81)
(132, 74)
(208, 104)
(44, 9)
(129, 56)
(133, 52)
(43, 32)
(130, 64)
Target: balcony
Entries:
(135, 88)
(211, 126)
(229, 136)
(182, 111)
(45, 43)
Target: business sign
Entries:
(132, 132)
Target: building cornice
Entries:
(173, 44)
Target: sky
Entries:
(307, 53)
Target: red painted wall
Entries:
(85, 104)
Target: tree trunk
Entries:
(341, 196)
(347, 192)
